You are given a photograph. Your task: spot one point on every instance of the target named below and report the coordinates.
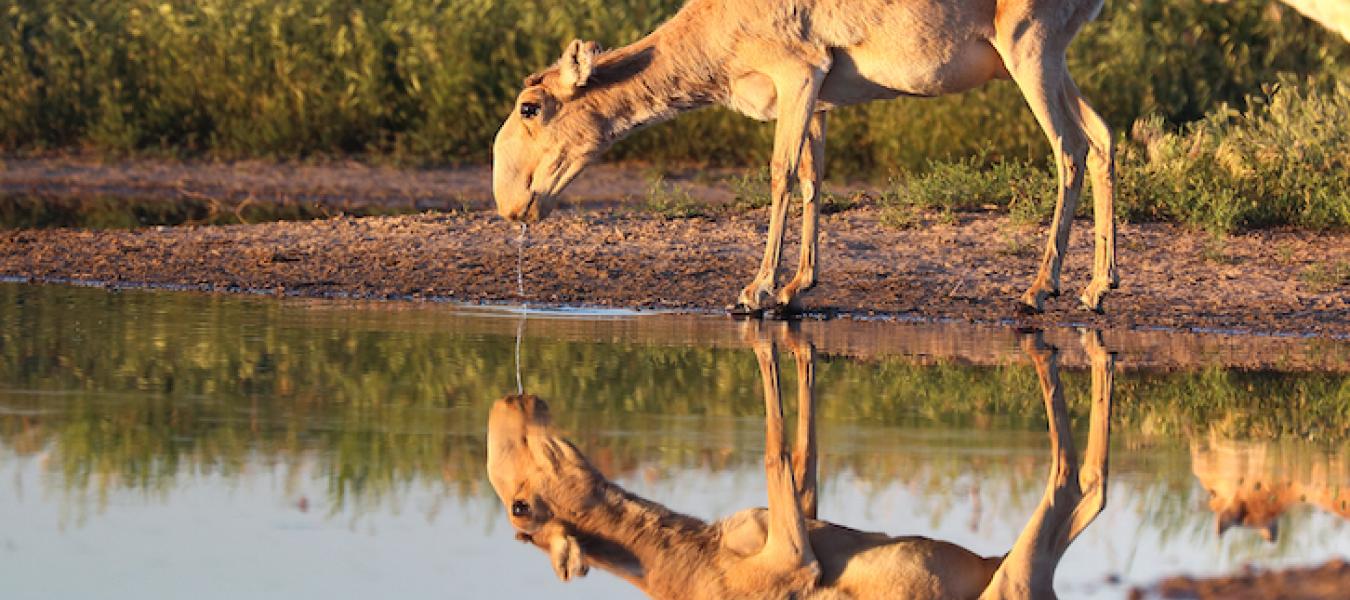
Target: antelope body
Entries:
(792, 61)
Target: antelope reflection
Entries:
(1250, 484)
(559, 502)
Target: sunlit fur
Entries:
(1334, 14)
(791, 61)
(1250, 484)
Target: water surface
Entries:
(167, 445)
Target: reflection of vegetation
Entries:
(131, 389)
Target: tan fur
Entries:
(792, 61)
(581, 519)
(1250, 484)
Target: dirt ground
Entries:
(602, 253)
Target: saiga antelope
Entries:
(559, 502)
(1252, 483)
(792, 61)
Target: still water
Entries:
(170, 445)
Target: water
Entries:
(166, 445)
(524, 305)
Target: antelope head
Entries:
(1256, 514)
(540, 478)
(512, 466)
(549, 137)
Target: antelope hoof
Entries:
(787, 311)
(789, 303)
(1033, 302)
(755, 297)
(1093, 294)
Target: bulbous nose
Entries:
(526, 211)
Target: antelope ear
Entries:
(576, 63)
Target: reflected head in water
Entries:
(559, 502)
(530, 469)
(562, 504)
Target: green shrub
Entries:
(429, 81)
(1284, 160)
(971, 184)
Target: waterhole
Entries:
(151, 442)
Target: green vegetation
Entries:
(751, 192)
(1283, 160)
(1328, 276)
(430, 80)
(972, 184)
(674, 201)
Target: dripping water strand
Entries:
(520, 264)
(524, 305)
(520, 329)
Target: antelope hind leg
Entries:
(809, 174)
(1102, 169)
(804, 463)
(1042, 77)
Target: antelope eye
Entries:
(519, 508)
(529, 110)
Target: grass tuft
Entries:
(1326, 277)
(673, 201)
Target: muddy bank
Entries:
(1331, 580)
(969, 270)
(608, 250)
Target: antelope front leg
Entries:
(809, 174)
(787, 550)
(797, 88)
(1102, 168)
